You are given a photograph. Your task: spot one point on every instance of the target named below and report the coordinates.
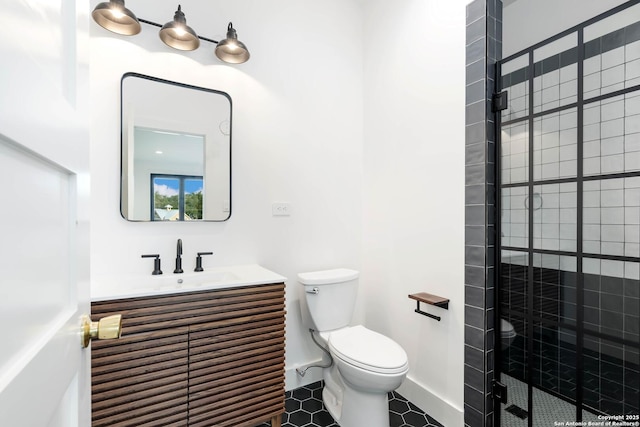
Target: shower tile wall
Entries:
(483, 47)
(611, 307)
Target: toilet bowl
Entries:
(366, 364)
(507, 333)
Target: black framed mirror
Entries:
(175, 151)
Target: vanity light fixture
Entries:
(231, 49)
(178, 35)
(113, 16)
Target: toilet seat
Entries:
(368, 350)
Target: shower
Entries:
(568, 203)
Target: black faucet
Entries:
(199, 260)
(179, 258)
(156, 263)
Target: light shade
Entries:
(178, 35)
(231, 49)
(113, 16)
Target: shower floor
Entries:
(547, 408)
(304, 407)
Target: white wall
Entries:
(297, 129)
(413, 225)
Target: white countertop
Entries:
(132, 286)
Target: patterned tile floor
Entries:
(548, 409)
(304, 408)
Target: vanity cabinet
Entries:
(206, 358)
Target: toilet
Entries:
(366, 365)
(507, 333)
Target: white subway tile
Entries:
(632, 51)
(590, 199)
(613, 198)
(568, 152)
(591, 232)
(591, 132)
(632, 270)
(631, 249)
(591, 266)
(632, 124)
(591, 82)
(591, 216)
(610, 146)
(612, 164)
(612, 216)
(551, 155)
(632, 70)
(551, 123)
(568, 136)
(591, 247)
(592, 65)
(612, 110)
(632, 161)
(568, 119)
(632, 104)
(612, 268)
(568, 216)
(591, 149)
(632, 197)
(591, 166)
(632, 215)
(613, 76)
(568, 168)
(613, 58)
(612, 248)
(632, 233)
(551, 79)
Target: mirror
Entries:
(176, 151)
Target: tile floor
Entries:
(548, 409)
(304, 408)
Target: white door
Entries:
(44, 229)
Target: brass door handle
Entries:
(107, 328)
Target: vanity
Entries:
(197, 349)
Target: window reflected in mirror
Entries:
(176, 198)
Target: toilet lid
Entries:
(368, 350)
(506, 329)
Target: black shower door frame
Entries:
(530, 316)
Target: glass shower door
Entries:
(569, 241)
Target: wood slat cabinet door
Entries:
(141, 379)
(209, 358)
(236, 363)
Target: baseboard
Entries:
(446, 413)
(292, 380)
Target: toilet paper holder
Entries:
(431, 300)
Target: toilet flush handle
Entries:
(313, 290)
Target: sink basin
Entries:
(129, 286)
(187, 280)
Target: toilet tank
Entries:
(331, 297)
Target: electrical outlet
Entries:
(280, 209)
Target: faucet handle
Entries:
(156, 263)
(199, 260)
